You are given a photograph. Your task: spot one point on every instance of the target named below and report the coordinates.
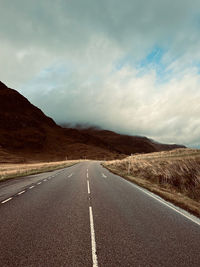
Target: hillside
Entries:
(26, 133)
(127, 144)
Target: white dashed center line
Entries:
(88, 187)
(21, 192)
(8, 199)
(39, 183)
(45, 180)
(70, 175)
(93, 242)
(104, 176)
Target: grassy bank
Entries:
(8, 171)
(174, 175)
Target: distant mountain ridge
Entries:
(127, 144)
(26, 131)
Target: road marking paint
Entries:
(21, 192)
(39, 183)
(87, 175)
(31, 187)
(70, 175)
(8, 199)
(93, 242)
(88, 187)
(170, 205)
(104, 176)
(45, 180)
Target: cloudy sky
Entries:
(132, 66)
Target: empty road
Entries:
(86, 216)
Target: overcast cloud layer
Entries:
(131, 66)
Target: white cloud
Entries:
(124, 102)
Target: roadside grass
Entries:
(8, 171)
(174, 175)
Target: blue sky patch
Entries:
(154, 57)
(152, 61)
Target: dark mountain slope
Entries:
(22, 125)
(27, 132)
(128, 144)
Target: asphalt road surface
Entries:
(86, 216)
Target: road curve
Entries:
(86, 216)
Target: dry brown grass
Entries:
(8, 171)
(173, 174)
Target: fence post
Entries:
(129, 165)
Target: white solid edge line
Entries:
(166, 204)
(21, 192)
(93, 242)
(87, 174)
(8, 199)
(88, 187)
